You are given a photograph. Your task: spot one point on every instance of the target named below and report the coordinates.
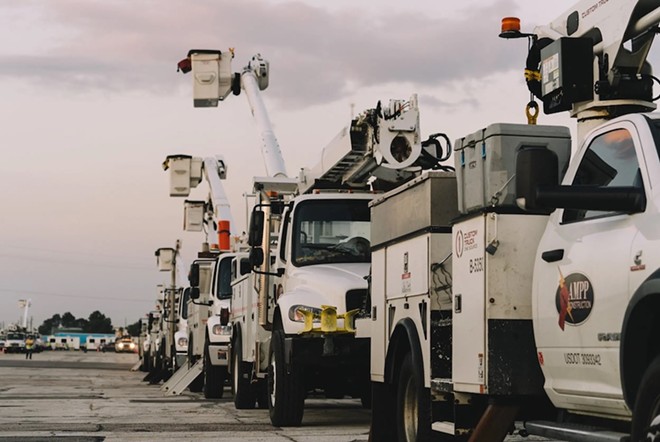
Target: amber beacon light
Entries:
(510, 27)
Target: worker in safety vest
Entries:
(29, 347)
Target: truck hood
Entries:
(323, 284)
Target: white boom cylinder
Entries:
(221, 204)
(270, 149)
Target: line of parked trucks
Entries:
(521, 284)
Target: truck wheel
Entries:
(647, 405)
(262, 394)
(286, 395)
(365, 397)
(198, 384)
(243, 393)
(413, 404)
(214, 377)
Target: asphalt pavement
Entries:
(74, 396)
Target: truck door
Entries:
(581, 281)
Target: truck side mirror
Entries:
(193, 276)
(256, 257)
(256, 231)
(246, 268)
(535, 167)
(193, 293)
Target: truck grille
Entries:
(356, 299)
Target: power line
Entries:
(65, 252)
(62, 295)
(68, 262)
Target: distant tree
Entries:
(82, 323)
(49, 324)
(68, 320)
(134, 329)
(99, 323)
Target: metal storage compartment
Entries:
(427, 202)
(486, 161)
(493, 256)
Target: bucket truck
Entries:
(505, 296)
(293, 315)
(163, 346)
(209, 297)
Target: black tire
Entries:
(365, 397)
(198, 384)
(162, 366)
(647, 404)
(383, 412)
(156, 371)
(214, 377)
(413, 415)
(244, 398)
(286, 394)
(262, 394)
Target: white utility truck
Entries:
(209, 298)
(293, 315)
(498, 294)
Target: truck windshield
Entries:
(15, 336)
(331, 231)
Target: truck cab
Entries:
(311, 289)
(217, 351)
(595, 296)
(324, 256)
(181, 333)
(209, 326)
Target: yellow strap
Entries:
(532, 75)
(532, 112)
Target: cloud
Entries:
(316, 55)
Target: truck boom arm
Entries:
(185, 173)
(212, 81)
(379, 146)
(592, 60)
(254, 79)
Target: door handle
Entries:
(552, 255)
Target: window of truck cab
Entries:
(609, 161)
(185, 297)
(205, 276)
(284, 244)
(326, 231)
(224, 278)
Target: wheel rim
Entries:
(655, 413)
(235, 374)
(410, 410)
(273, 380)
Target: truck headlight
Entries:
(297, 313)
(223, 330)
(182, 342)
(131, 345)
(120, 345)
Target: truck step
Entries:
(573, 432)
(441, 386)
(182, 378)
(443, 427)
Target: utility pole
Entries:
(171, 314)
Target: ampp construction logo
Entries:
(574, 299)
